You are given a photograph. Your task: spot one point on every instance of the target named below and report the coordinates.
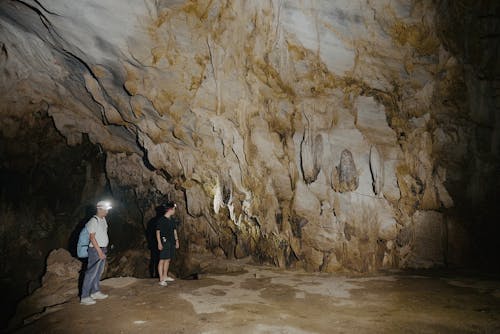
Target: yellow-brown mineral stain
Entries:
(99, 71)
(179, 133)
(137, 110)
(418, 36)
(158, 53)
(131, 80)
(198, 8)
(269, 75)
(163, 101)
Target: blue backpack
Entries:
(82, 246)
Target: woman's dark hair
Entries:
(160, 210)
(169, 205)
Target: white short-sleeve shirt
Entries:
(99, 226)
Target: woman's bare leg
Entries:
(161, 265)
(165, 269)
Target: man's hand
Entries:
(102, 256)
(177, 243)
(100, 253)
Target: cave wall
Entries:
(471, 31)
(45, 188)
(48, 191)
(320, 135)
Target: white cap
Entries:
(104, 205)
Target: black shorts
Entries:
(168, 251)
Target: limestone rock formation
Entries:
(377, 170)
(241, 111)
(59, 285)
(311, 155)
(346, 176)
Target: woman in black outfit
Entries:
(168, 241)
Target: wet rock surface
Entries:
(259, 299)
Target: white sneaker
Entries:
(87, 301)
(169, 279)
(98, 295)
(163, 283)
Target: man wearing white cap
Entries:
(98, 233)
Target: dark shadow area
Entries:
(193, 276)
(43, 183)
(469, 31)
(151, 241)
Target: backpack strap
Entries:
(93, 217)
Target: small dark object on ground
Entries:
(191, 276)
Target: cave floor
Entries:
(267, 300)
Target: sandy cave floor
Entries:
(267, 300)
